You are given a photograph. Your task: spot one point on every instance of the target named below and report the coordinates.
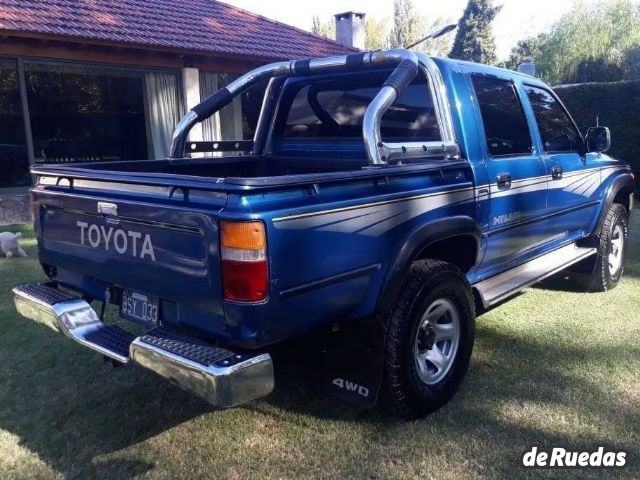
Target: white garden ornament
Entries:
(10, 245)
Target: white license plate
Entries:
(139, 307)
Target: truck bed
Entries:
(175, 207)
(233, 166)
(218, 173)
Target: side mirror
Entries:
(598, 139)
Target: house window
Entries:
(14, 159)
(84, 113)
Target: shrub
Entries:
(617, 106)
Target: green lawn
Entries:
(551, 367)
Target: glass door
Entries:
(14, 158)
(85, 113)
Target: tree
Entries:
(376, 34)
(441, 46)
(528, 50)
(409, 27)
(474, 39)
(588, 40)
(406, 24)
(324, 28)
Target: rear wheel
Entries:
(430, 335)
(612, 248)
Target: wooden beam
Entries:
(47, 49)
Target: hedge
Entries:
(617, 106)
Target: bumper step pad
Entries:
(222, 377)
(74, 317)
(112, 338)
(45, 293)
(191, 348)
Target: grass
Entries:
(552, 367)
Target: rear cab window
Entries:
(333, 109)
(505, 124)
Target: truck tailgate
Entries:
(163, 247)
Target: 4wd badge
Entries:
(351, 387)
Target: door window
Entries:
(557, 130)
(505, 125)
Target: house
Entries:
(92, 81)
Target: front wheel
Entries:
(430, 335)
(612, 248)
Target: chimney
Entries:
(350, 29)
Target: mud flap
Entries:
(353, 362)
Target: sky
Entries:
(518, 19)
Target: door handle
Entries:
(504, 180)
(556, 173)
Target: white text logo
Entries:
(560, 457)
(351, 387)
(120, 240)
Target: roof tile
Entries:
(206, 26)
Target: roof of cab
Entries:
(450, 63)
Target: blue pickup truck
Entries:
(385, 190)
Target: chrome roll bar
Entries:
(408, 64)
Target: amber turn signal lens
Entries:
(244, 235)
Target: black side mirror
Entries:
(598, 139)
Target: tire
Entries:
(607, 269)
(412, 386)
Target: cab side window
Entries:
(505, 124)
(557, 131)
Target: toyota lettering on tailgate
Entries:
(122, 241)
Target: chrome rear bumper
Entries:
(226, 383)
(220, 376)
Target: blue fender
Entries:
(417, 241)
(624, 184)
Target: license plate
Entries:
(139, 307)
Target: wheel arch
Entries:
(441, 239)
(620, 190)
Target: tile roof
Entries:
(206, 26)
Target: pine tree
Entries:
(474, 39)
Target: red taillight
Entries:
(244, 281)
(245, 272)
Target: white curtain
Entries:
(211, 126)
(164, 109)
(226, 124)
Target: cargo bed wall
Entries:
(246, 166)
